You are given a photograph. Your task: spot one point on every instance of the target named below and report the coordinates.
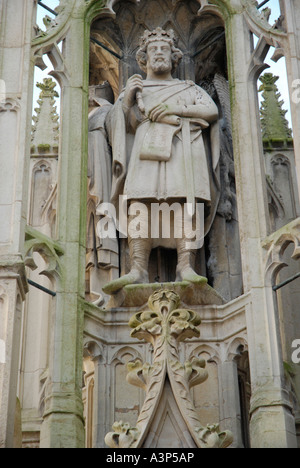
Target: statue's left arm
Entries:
(203, 108)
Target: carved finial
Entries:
(47, 88)
(45, 131)
(273, 121)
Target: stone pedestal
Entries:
(112, 349)
(137, 295)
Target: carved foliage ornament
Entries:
(54, 25)
(49, 250)
(165, 325)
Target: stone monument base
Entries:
(137, 295)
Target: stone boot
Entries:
(140, 250)
(186, 264)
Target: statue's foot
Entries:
(133, 277)
(188, 274)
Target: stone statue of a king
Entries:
(160, 155)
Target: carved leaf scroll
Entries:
(47, 248)
(164, 325)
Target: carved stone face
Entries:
(166, 299)
(159, 57)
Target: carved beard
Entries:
(160, 64)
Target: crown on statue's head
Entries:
(158, 34)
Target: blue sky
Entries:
(278, 69)
(39, 74)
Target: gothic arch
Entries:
(93, 349)
(280, 159)
(209, 349)
(40, 164)
(236, 348)
(200, 36)
(275, 247)
(118, 357)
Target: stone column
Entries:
(230, 411)
(100, 410)
(272, 423)
(63, 425)
(16, 75)
(291, 10)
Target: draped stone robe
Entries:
(165, 160)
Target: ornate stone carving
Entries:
(9, 105)
(129, 19)
(49, 250)
(274, 124)
(45, 131)
(94, 350)
(268, 35)
(166, 108)
(165, 325)
(123, 436)
(275, 246)
(258, 20)
(54, 26)
(207, 7)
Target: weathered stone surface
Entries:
(168, 161)
(165, 325)
(237, 337)
(136, 295)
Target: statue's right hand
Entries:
(133, 86)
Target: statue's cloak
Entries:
(177, 159)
